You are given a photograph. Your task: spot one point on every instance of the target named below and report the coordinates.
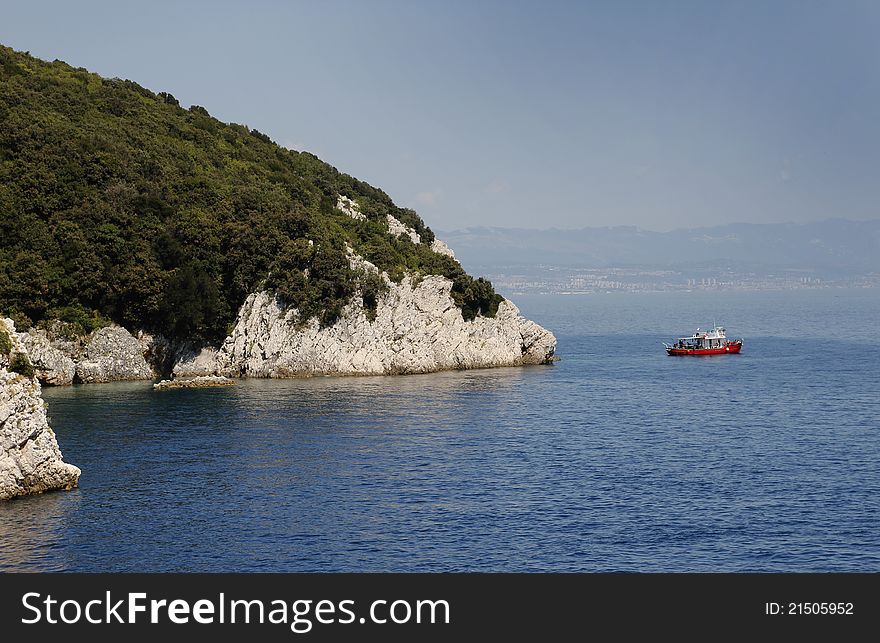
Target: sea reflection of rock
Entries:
(430, 395)
(32, 529)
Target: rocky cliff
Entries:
(30, 460)
(112, 354)
(417, 329)
(109, 354)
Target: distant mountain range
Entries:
(832, 246)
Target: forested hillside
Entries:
(117, 204)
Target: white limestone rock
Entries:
(53, 366)
(418, 329)
(349, 207)
(193, 361)
(398, 228)
(30, 460)
(201, 381)
(113, 354)
(441, 248)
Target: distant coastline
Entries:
(834, 253)
(567, 280)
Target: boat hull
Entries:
(729, 348)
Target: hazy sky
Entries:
(529, 114)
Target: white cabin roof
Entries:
(715, 333)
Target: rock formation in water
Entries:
(112, 354)
(200, 381)
(109, 354)
(417, 328)
(30, 460)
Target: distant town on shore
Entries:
(834, 253)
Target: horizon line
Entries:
(642, 229)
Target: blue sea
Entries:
(616, 458)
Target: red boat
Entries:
(711, 342)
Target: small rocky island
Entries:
(200, 381)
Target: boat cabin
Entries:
(708, 342)
(714, 338)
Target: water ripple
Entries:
(616, 459)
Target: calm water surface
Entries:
(616, 458)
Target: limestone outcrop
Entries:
(349, 207)
(398, 229)
(417, 329)
(395, 227)
(53, 366)
(112, 354)
(107, 355)
(202, 381)
(30, 460)
(192, 361)
(441, 248)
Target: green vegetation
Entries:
(19, 363)
(372, 288)
(5, 342)
(118, 204)
(72, 323)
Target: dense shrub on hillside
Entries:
(19, 363)
(116, 204)
(5, 342)
(372, 288)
